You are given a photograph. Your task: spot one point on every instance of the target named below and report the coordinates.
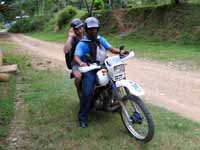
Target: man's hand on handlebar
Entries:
(125, 52)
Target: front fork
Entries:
(116, 95)
(116, 91)
(136, 116)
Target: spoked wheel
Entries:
(136, 118)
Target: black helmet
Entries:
(92, 22)
(76, 23)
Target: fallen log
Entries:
(4, 77)
(8, 68)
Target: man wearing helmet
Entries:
(74, 36)
(96, 46)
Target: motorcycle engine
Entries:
(102, 100)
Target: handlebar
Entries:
(130, 55)
(95, 66)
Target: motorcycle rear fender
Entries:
(132, 86)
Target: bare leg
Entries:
(77, 81)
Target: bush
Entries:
(64, 16)
(98, 4)
(28, 25)
(20, 26)
(1, 26)
(49, 26)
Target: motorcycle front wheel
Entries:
(136, 118)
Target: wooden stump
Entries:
(4, 77)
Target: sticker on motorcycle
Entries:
(135, 86)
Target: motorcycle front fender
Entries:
(132, 86)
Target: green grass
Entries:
(7, 97)
(8, 89)
(50, 36)
(53, 106)
(7, 46)
(7, 94)
(162, 51)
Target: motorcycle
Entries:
(114, 93)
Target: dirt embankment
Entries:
(164, 85)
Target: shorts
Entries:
(75, 68)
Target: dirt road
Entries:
(164, 85)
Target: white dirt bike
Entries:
(116, 94)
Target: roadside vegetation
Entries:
(7, 97)
(52, 105)
(168, 33)
(1, 26)
(8, 90)
(53, 108)
(177, 53)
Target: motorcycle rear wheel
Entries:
(137, 118)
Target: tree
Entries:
(8, 10)
(89, 7)
(179, 1)
(110, 3)
(4, 5)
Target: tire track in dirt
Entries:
(165, 85)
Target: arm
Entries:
(68, 45)
(109, 47)
(117, 51)
(114, 50)
(79, 61)
(78, 54)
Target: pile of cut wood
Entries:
(5, 70)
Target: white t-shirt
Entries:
(101, 54)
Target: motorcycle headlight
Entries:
(119, 69)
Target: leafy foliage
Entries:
(28, 25)
(64, 16)
(165, 23)
(1, 26)
(98, 4)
